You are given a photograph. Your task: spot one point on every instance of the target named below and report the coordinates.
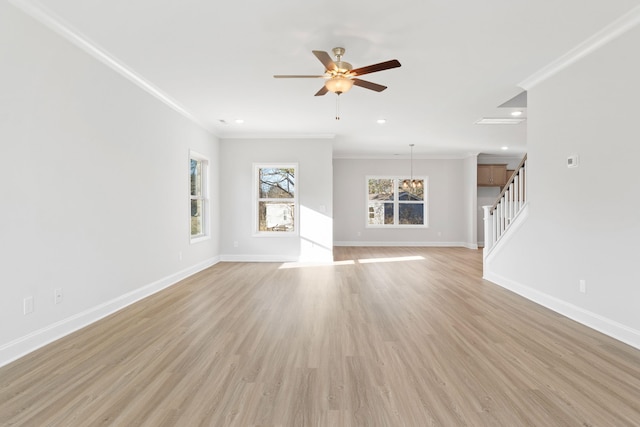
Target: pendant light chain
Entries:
(411, 145)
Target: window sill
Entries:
(383, 227)
(199, 239)
(276, 234)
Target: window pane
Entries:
(408, 190)
(381, 189)
(196, 217)
(411, 213)
(275, 216)
(380, 213)
(277, 183)
(196, 173)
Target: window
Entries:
(392, 204)
(199, 198)
(276, 201)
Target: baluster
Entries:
(518, 190)
(506, 211)
(497, 215)
(520, 187)
(512, 207)
(502, 216)
(495, 224)
(507, 208)
(525, 194)
(516, 179)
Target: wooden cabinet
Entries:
(492, 175)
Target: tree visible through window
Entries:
(276, 198)
(198, 170)
(389, 203)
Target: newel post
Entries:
(488, 229)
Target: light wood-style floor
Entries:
(385, 337)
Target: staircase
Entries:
(504, 212)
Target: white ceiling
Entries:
(460, 60)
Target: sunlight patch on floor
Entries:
(391, 259)
(350, 262)
(315, 264)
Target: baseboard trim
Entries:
(408, 244)
(592, 320)
(37, 339)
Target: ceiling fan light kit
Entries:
(341, 77)
(339, 84)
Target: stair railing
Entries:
(508, 205)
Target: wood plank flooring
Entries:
(384, 337)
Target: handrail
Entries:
(509, 182)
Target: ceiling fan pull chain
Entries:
(338, 107)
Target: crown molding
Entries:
(40, 13)
(612, 31)
(249, 135)
(428, 156)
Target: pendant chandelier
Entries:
(411, 184)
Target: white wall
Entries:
(583, 223)
(470, 175)
(93, 188)
(448, 210)
(314, 186)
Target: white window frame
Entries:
(203, 197)
(397, 202)
(256, 199)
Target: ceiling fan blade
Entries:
(394, 63)
(322, 91)
(368, 85)
(325, 59)
(285, 76)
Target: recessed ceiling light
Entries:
(504, 148)
(239, 121)
(516, 113)
(381, 121)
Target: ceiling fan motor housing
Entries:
(342, 67)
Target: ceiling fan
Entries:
(340, 75)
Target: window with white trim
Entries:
(199, 197)
(396, 202)
(276, 199)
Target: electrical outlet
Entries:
(57, 295)
(180, 256)
(28, 305)
(583, 286)
(235, 244)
